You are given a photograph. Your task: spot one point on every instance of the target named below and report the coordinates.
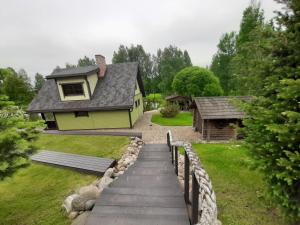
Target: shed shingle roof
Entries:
(115, 91)
(219, 107)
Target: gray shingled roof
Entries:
(115, 91)
(76, 71)
(219, 107)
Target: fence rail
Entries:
(200, 200)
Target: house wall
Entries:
(137, 111)
(92, 79)
(86, 95)
(95, 120)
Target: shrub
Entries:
(170, 110)
(196, 81)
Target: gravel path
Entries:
(153, 133)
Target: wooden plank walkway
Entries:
(97, 132)
(148, 193)
(88, 164)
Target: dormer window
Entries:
(72, 89)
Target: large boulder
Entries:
(89, 191)
(72, 215)
(78, 203)
(89, 205)
(109, 172)
(104, 182)
(67, 205)
(80, 220)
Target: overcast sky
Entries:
(38, 35)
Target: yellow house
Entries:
(91, 97)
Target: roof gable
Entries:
(219, 107)
(115, 91)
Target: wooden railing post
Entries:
(186, 177)
(168, 141)
(172, 154)
(176, 160)
(195, 199)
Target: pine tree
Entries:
(38, 82)
(17, 135)
(272, 126)
(221, 62)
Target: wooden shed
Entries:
(183, 102)
(216, 118)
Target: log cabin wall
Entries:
(219, 129)
(197, 120)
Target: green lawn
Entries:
(239, 190)
(34, 194)
(101, 146)
(182, 119)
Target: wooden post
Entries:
(208, 129)
(202, 130)
(176, 160)
(172, 154)
(186, 178)
(195, 199)
(168, 141)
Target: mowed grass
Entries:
(239, 190)
(33, 195)
(100, 146)
(182, 119)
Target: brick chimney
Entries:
(100, 61)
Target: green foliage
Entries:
(86, 61)
(153, 101)
(17, 134)
(273, 125)
(252, 62)
(169, 110)
(253, 16)
(181, 119)
(195, 82)
(17, 87)
(170, 61)
(38, 82)
(242, 58)
(136, 54)
(220, 65)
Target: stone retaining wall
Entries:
(78, 205)
(207, 199)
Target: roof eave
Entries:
(72, 75)
(81, 109)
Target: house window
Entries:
(72, 89)
(81, 114)
(136, 104)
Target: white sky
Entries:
(38, 35)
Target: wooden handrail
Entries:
(193, 215)
(201, 185)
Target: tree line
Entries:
(17, 85)
(243, 55)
